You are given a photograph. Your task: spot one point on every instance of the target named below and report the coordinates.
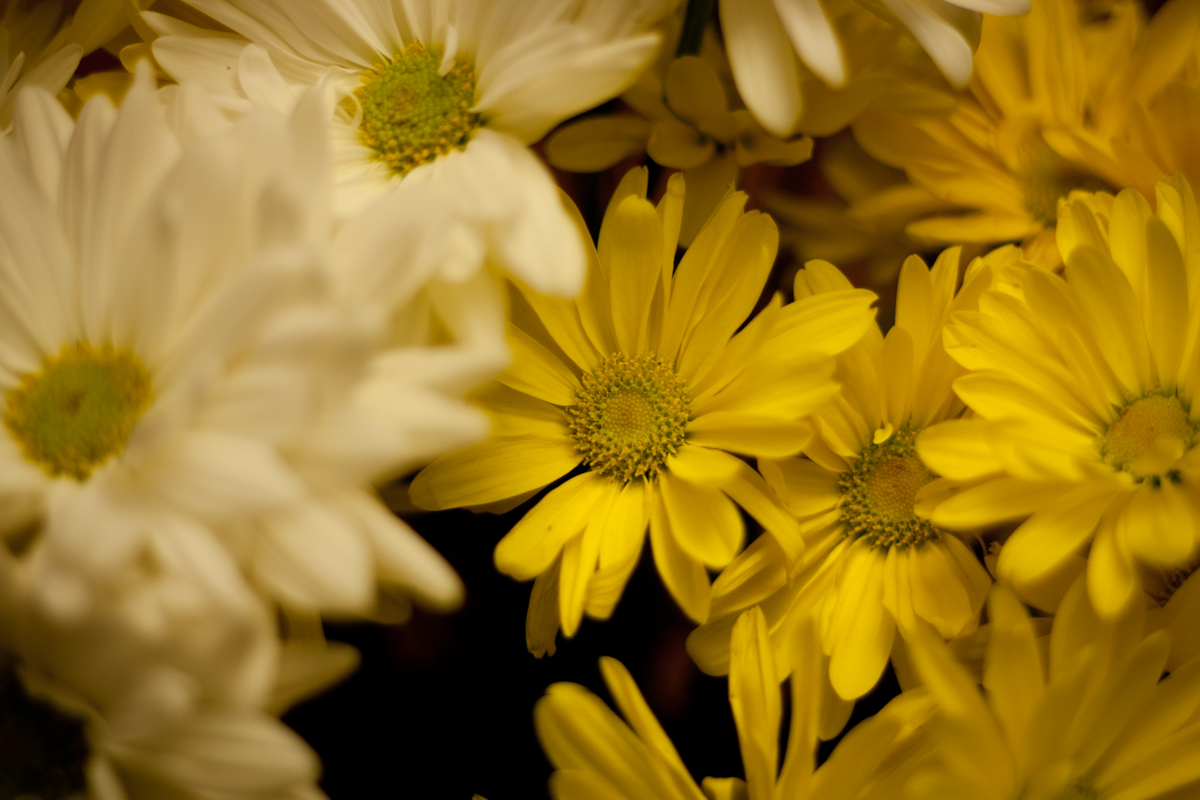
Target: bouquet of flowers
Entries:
(835, 364)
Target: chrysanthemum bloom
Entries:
(687, 123)
(1084, 393)
(761, 36)
(1095, 721)
(159, 689)
(1144, 126)
(648, 383)
(993, 158)
(598, 755)
(173, 361)
(871, 565)
(447, 93)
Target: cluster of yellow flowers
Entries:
(271, 255)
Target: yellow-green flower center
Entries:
(1149, 436)
(630, 416)
(1045, 176)
(879, 491)
(79, 409)
(412, 113)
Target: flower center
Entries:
(43, 753)
(1046, 176)
(630, 416)
(411, 113)
(879, 492)
(79, 409)
(1149, 436)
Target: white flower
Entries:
(760, 36)
(174, 357)
(444, 93)
(16, 73)
(158, 689)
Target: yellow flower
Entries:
(994, 157)
(1084, 391)
(687, 123)
(649, 382)
(597, 755)
(865, 225)
(871, 565)
(1093, 722)
(1148, 119)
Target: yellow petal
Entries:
(1052, 534)
(685, 578)
(1012, 670)
(693, 91)
(706, 524)
(958, 449)
(534, 542)
(703, 466)
(630, 254)
(493, 470)
(861, 628)
(541, 621)
(770, 437)
(679, 146)
(538, 372)
(596, 143)
(751, 492)
(755, 699)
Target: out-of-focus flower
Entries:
(1147, 116)
(444, 94)
(596, 754)
(871, 566)
(176, 361)
(764, 37)
(687, 122)
(649, 382)
(157, 689)
(1083, 390)
(1092, 720)
(867, 225)
(1015, 146)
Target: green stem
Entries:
(694, 23)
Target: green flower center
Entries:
(79, 409)
(1148, 437)
(411, 114)
(630, 416)
(879, 491)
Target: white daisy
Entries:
(157, 690)
(173, 355)
(762, 35)
(445, 93)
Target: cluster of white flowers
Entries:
(246, 284)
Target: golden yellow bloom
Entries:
(1084, 391)
(1091, 721)
(648, 383)
(871, 565)
(598, 755)
(999, 157)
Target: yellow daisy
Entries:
(648, 384)
(870, 564)
(1148, 117)
(1093, 722)
(597, 755)
(991, 158)
(1084, 388)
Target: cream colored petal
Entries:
(760, 55)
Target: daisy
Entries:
(1092, 720)
(596, 754)
(765, 36)
(445, 93)
(871, 565)
(993, 158)
(1084, 391)
(158, 689)
(639, 393)
(173, 357)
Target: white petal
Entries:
(764, 69)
